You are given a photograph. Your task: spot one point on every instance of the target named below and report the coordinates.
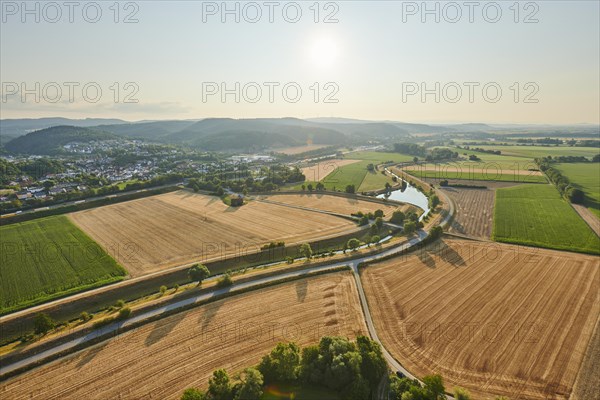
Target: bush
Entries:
(163, 290)
(225, 281)
(193, 394)
(120, 304)
(176, 287)
(375, 239)
(289, 260)
(124, 313)
(85, 316)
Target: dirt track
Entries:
(496, 319)
(161, 359)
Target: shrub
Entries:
(120, 304)
(289, 260)
(163, 290)
(85, 316)
(375, 239)
(124, 313)
(225, 281)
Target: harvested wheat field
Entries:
(320, 170)
(474, 211)
(495, 319)
(337, 204)
(161, 359)
(158, 232)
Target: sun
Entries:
(324, 52)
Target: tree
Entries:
(198, 273)
(48, 184)
(350, 189)
(375, 239)
(596, 158)
(85, 316)
(303, 188)
(310, 187)
(370, 167)
(353, 244)
(397, 217)
(364, 220)
(379, 223)
(306, 250)
(124, 313)
(320, 187)
(373, 365)
(193, 394)
(220, 191)
(282, 364)
(576, 196)
(250, 386)
(434, 386)
(410, 227)
(434, 201)
(436, 232)
(461, 394)
(120, 303)
(379, 213)
(43, 323)
(219, 386)
(163, 290)
(415, 159)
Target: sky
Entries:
(437, 62)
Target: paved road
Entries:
(114, 328)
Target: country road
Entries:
(116, 327)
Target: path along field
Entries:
(176, 228)
(48, 258)
(493, 318)
(161, 359)
(341, 205)
(536, 215)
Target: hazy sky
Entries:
(375, 60)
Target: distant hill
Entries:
(17, 127)
(49, 141)
(151, 130)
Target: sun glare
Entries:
(324, 52)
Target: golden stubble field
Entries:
(341, 205)
(161, 359)
(495, 319)
(172, 229)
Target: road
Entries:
(91, 199)
(116, 327)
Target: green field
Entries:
(48, 258)
(542, 151)
(281, 391)
(378, 157)
(537, 215)
(492, 174)
(585, 176)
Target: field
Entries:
(161, 359)
(49, 258)
(379, 157)
(496, 319)
(341, 205)
(474, 211)
(475, 172)
(585, 176)
(300, 149)
(543, 151)
(536, 215)
(176, 228)
(321, 170)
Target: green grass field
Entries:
(48, 258)
(492, 174)
(378, 157)
(536, 215)
(542, 151)
(585, 176)
(281, 391)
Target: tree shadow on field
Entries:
(210, 311)
(163, 327)
(301, 289)
(449, 255)
(91, 353)
(425, 258)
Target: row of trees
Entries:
(353, 369)
(560, 181)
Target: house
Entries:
(237, 200)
